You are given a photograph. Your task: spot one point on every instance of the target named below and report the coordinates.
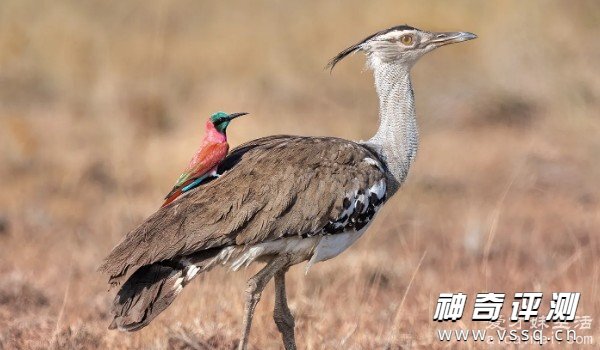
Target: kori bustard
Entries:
(280, 200)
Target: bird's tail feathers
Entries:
(150, 290)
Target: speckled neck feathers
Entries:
(397, 138)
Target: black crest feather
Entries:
(340, 56)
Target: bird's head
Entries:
(402, 45)
(221, 120)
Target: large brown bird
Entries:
(279, 200)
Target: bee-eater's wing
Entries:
(204, 160)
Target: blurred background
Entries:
(103, 103)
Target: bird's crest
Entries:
(352, 49)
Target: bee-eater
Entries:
(212, 151)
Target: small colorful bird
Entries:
(204, 163)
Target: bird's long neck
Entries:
(397, 138)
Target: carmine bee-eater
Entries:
(212, 151)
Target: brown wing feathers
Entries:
(269, 188)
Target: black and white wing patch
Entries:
(360, 208)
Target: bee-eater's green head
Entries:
(221, 120)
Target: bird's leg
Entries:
(281, 314)
(254, 288)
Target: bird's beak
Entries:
(441, 39)
(235, 115)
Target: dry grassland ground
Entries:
(102, 104)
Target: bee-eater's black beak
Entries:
(235, 115)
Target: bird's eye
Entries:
(406, 39)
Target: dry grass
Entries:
(102, 104)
